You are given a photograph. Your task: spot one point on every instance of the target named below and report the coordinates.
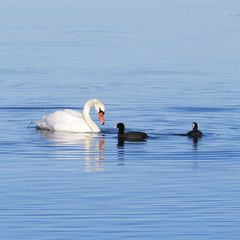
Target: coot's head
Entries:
(121, 127)
(194, 126)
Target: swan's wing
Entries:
(64, 120)
(74, 113)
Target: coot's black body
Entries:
(195, 133)
(130, 136)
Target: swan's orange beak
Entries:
(101, 117)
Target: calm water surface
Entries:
(158, 66)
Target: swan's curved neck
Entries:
(86, 115)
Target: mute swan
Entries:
(130, 136)
(69, 120)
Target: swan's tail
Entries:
(41, 125)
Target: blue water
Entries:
(158, 66)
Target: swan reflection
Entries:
(79, 146)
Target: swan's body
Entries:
(68, 120)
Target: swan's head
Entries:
(98, 105)
(100, 108)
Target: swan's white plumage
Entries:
(69, 120)
(64, 120)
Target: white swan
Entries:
(68, 120)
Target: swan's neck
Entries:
(86, 115)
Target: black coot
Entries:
(130, 136)
(194, 133)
